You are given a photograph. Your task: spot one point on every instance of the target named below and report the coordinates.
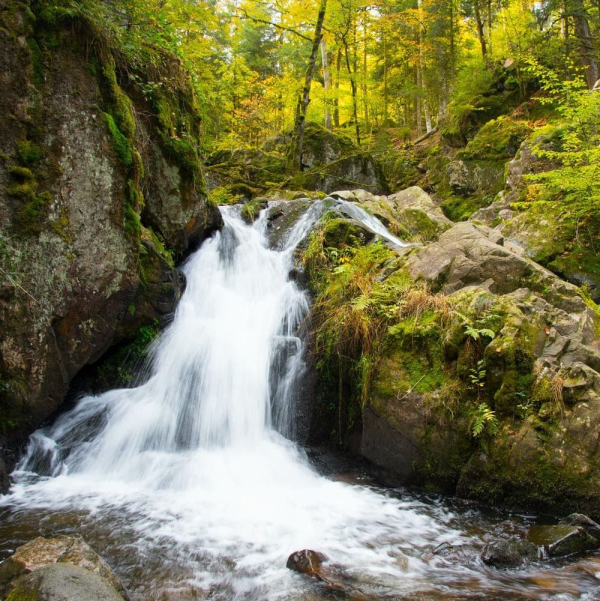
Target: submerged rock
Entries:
(509, 553)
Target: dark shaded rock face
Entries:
(79, 269)
(333, 162)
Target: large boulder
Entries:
(468, 177)
(411, 214)
(540, 378)
(563, 539)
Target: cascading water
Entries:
(187, 482)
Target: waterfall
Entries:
(198, 455)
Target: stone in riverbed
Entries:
(44, 552)
(63, 582)
(306, 562)
(509, 553)
(311, 563)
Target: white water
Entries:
(371, 223)
(195, 458)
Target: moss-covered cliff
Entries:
(100, 190)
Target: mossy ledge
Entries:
(452, 387)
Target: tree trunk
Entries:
(586, 44)
(421, 71)
(489, 25)
(294, 162)
(385, 80)
(326, 83)
(336, 100)
(353, 88)
(365, 87)
(418, 102)
(480, 31)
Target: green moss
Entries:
(22, 594)
(120, 367)
(21, 174)
(120, 143)
(28, 152)
(458, 208)
(341, 232)
(177, 130)
(25, 191)
(223, 195)
(497, 139)
(119, 104)
(131, 222)
(37, 66)
(420, 225)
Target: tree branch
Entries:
(276, 25)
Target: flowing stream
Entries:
(190, 486)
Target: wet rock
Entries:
(282, 216)
(4, 479)
(175, 206)
(448, 553)
(410, 214)
(63, 582)
(563, 539)
(42, 552)
(306, 562)
(340, 232)
(347, 195)
(509, 553)
(579, 519)
(416, 211)
(313, 564)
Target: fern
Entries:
(483, 418)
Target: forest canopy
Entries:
(413, 64)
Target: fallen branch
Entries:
(425, 136)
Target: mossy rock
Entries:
(498, 139)
(345, 232)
